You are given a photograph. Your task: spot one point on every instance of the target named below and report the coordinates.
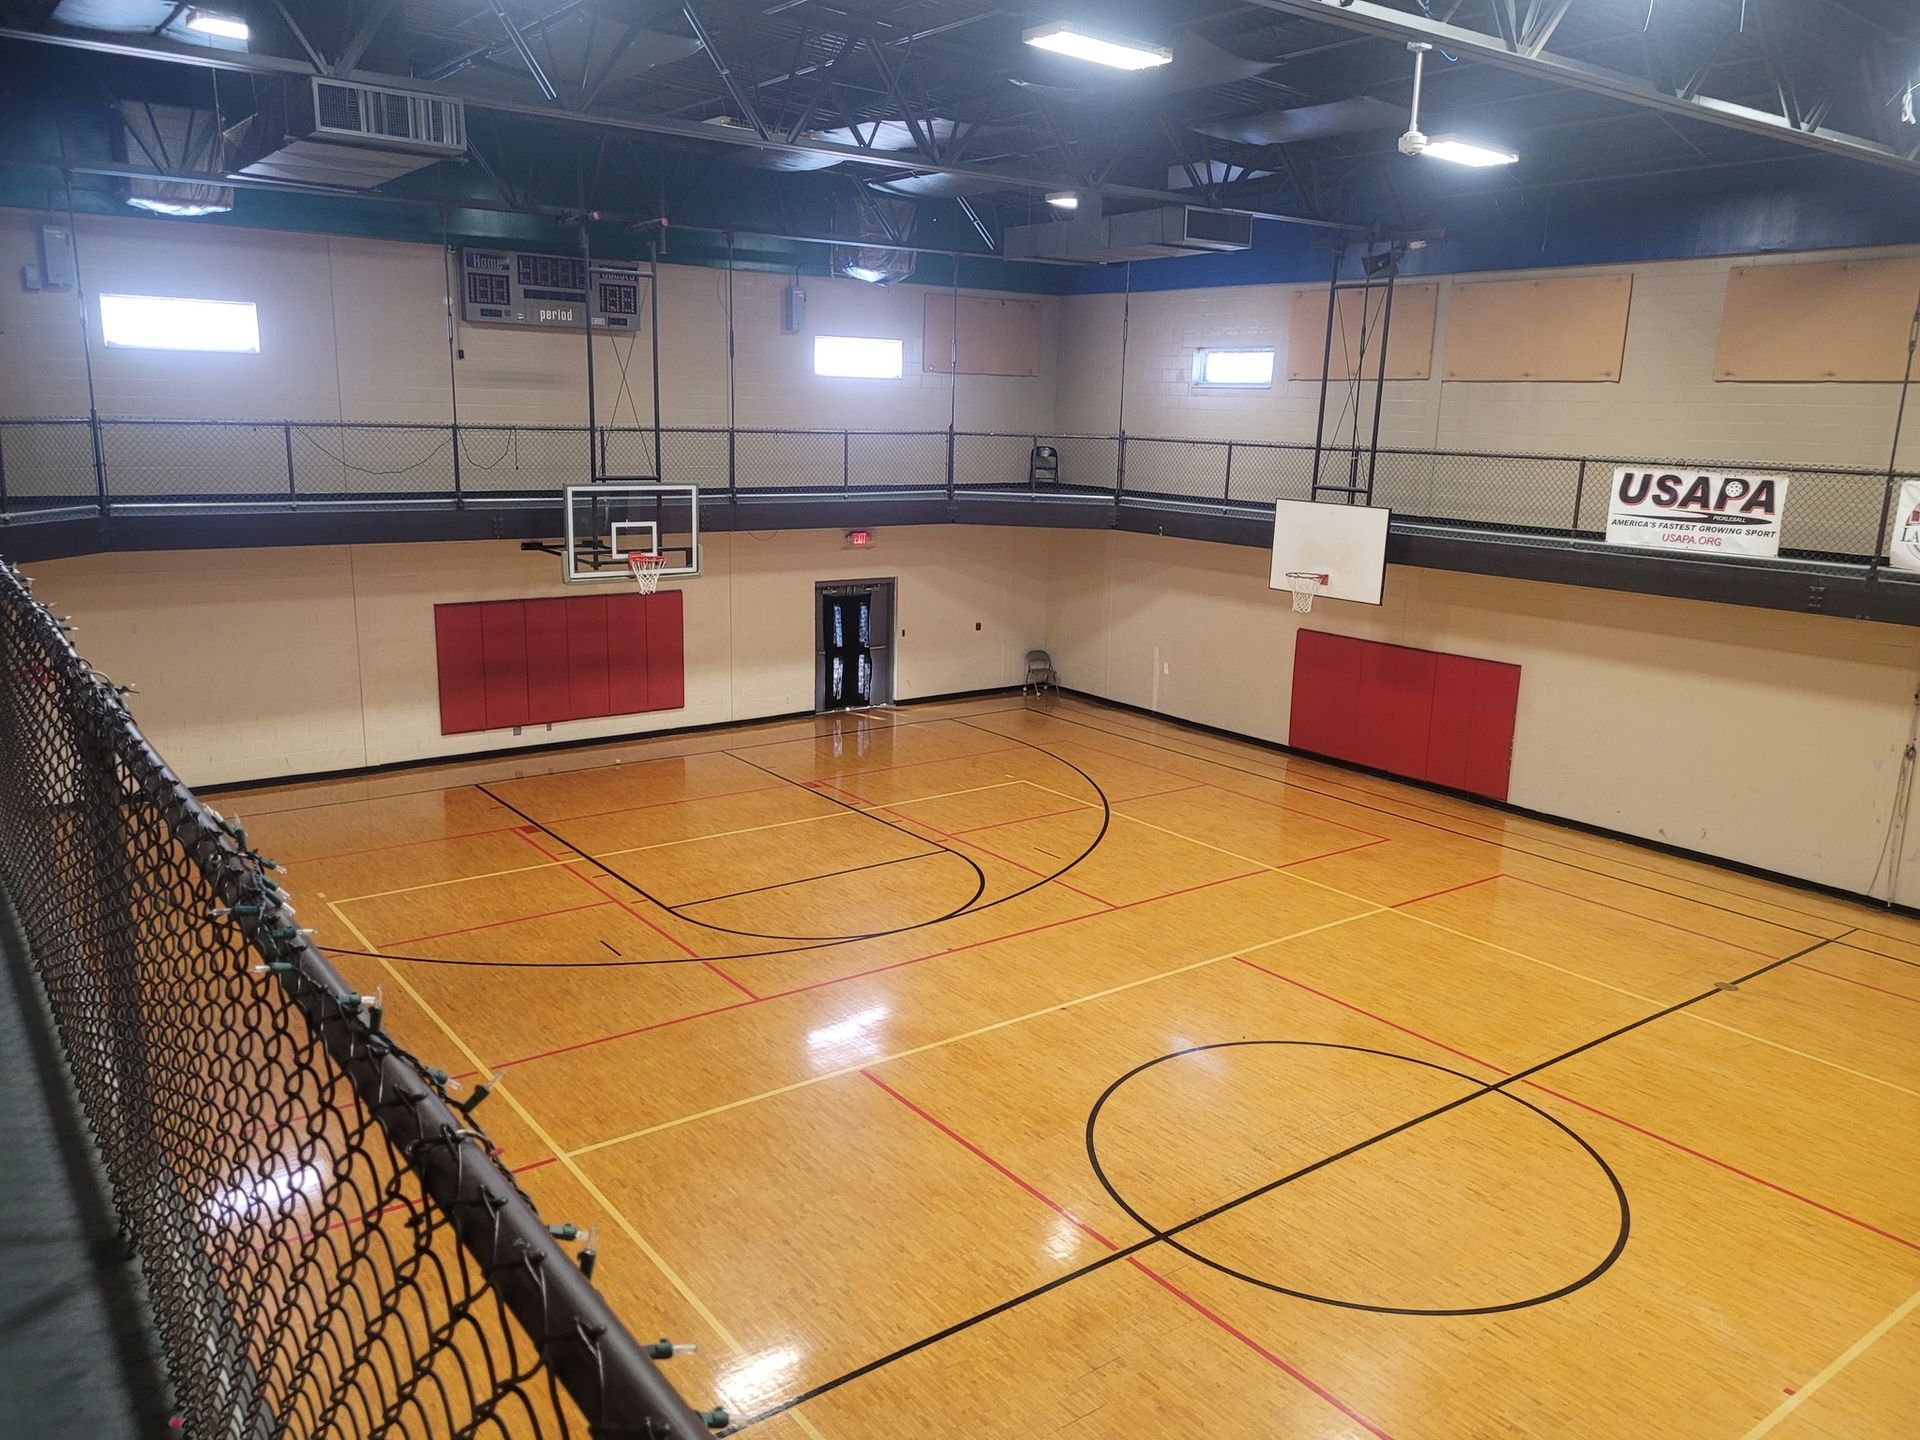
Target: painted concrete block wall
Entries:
(355, 329)
(1666, 404)
(347, 632)
(1763, 737)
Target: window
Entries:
(856, 358)
(159, 322)
(1246, 368)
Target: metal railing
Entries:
(65, 466)
(329, 1243)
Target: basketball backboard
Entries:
(608, 520)
(1345, 543)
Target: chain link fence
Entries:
(46, 463)
(330, 1247)
(385, 461)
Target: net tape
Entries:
(331, 1246)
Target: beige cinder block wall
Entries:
(1665, 405)
(355, 330)
(1763, 737)
(255, 663)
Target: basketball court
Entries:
(1004, 1058)
(908, 719)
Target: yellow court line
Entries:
(599, 1196)
(1846, 1357)
(580, 855)
(966, 1035)
(1549, 965)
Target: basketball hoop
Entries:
(1305, 583)
(647, 569)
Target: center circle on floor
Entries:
(1356, 1177)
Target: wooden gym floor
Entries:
(986, 1068)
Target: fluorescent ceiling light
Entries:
(1467, 152)
(1063, 37)
(1064, 200)
(164, 322)
(226, 27)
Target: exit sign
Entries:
(859, 539)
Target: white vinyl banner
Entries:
(1905, 550)
(1700, 513)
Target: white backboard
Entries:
(611, 518)
(1346, 543)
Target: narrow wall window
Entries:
(1241, 369)
(856, 357)
(160, 322)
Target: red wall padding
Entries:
(531, 662)
(1418, 713)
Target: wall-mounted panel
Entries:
(505, 663)
(1409, 333)
(1570, 328)
(1420, 713)
(1842, 320)
(997, 337)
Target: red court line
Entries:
(1734, 1169)
(1391, 1024)
(397, 845)
(1435, 894)
(626, 1034)
(1329, 854)
(492, 925)
(628, 910)
(858, 974)
(1182, 1296)
(937, 760)
(1836, 975)
(1156, 794)
(1290, 809)
(1606, 1115)
(999, 824)
(1328, 775)
(1005, 859)
(978, 1153)
(1296, 810)
(657, 804)
(1650, 919)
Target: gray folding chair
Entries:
(1041, 676)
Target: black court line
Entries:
(1293, 784)
(809, 879)
(1106, 821)
(1614, 1250)
(1128, 1251)
(262, 787)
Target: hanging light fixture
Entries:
(1445, 147)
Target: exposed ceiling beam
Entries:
(664, 126)
(1387, 24)
(376, 16)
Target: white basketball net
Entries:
(1305, 583)
(647, 570)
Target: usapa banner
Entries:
(1904, 552)
(1697, 512)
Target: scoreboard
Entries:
(548, 292)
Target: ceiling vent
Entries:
(1141, 235)
(331, 132)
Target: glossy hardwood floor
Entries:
(987, 1068)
